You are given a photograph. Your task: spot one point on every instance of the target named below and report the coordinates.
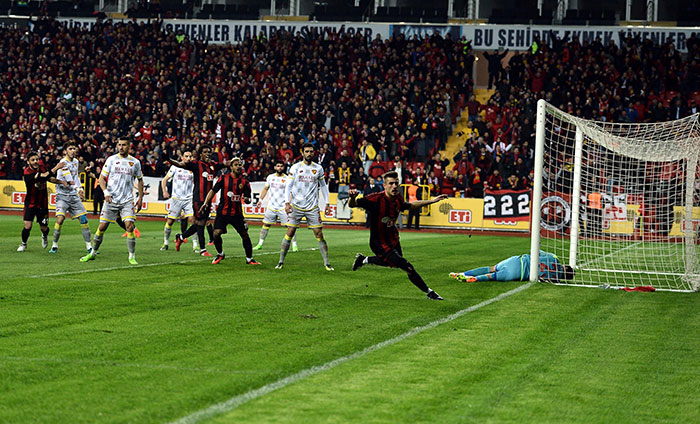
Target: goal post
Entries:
(618, 202)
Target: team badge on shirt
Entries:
(313, 171)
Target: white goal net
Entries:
(618, 202)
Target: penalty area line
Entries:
(114, 268)
(236, 401)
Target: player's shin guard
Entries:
(25, 235)
(219, 244)
(97, 241)
(478, 271)
(166, 233)
(286, 241)
(131, 243)
(85, 229)
(323, 248)
(56, 233)
(263, 234)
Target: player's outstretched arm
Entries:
(353, 197)
(420, 203)
(176, 162)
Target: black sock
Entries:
(25, 235)
(45, 231)
(219, 244)
(247, 245)
(210, 230)
(416, 279)
(121, 223)
(190, 231)
(200, 235)
(183, 226)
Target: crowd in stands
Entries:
(369, 105)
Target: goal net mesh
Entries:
(624, 207)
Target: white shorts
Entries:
(69, 205)
(179, 206)
(273, 215)
(110, 212)
(313, 218)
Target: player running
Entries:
(234, 190)
(69, 197)
(517, 268)
(386, 207)
(301, 201)
(117, 182)
(36, 201)
(181, 203)
(204, 172)
(274, 185)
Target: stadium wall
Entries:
(502, 210)
(483, 36)
(452, 213)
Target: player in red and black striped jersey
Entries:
(36, 201)
(385, 210)
(204, 172)
(233, 191)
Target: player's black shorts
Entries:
(391, 257)
(236, 221)
(201, 216)
(41, 215)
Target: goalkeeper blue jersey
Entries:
(518, 268)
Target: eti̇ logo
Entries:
(458, 216)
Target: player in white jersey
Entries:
(181, 201)
(117, 182)
(274, 211)
(306, 180)
(69, 198)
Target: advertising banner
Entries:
(512, 205)
(482, 36)
(451, 213)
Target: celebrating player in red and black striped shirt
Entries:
(386, 207)
(204, 172)
(36, 201)
(234, 190)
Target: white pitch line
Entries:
(236, 401)
(114, 268)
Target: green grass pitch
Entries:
(166, 340)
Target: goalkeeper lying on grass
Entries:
(517, 268)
